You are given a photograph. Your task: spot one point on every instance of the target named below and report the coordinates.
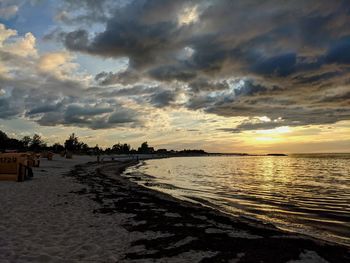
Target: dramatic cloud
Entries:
(57, 63)
(124, 77)
(49, 89)
(86, 116)
(292, 57)
(163, 98)
(287, 61)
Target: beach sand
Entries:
(41, 220)
(89, 213)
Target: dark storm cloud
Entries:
(226, 95)
(50, 101)
(166, 73)
(140, 29)
(44, 109)
(163, 98)
(281, 65)
(7, 109)
(91, 117)
(316, 78)
(110, 78)
(156, 96)
(137, 91)
(206, 85)
(129, 38)
(77, 40)
(339, 52)
(249, 89)
(292, 115)
(123, 116)
(292, 56)
(343, 98)
(77, 110)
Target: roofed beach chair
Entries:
(14, 167)
(47, 155)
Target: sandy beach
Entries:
(75, 211)
(42, 220)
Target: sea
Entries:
(302, 193)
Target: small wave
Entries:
(301, 193)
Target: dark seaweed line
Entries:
(156, 212)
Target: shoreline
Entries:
(81, 211)
(147, 182)
(217, 236)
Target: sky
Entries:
(224, 76)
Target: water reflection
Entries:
(308, 194)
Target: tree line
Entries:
(73, 144)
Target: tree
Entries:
(71, 143)
(14, 144)
(26, 141)
(117, 148)
(126, 148)
(162, 151)
(145, 148)
(121, 148)
(83, 147)
(108, 150)
(3, 136)
(133, 151)
(97, 150)
(36, 143)
(3, 140)
(57, 147)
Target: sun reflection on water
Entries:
(298, 193)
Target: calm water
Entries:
(308, 194)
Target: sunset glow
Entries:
(190, 77)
